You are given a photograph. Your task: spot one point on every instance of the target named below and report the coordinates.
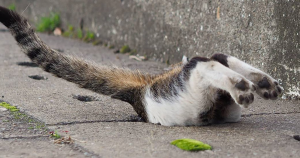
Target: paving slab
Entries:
(26, 137)
(257, 136)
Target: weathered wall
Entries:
(264, 33)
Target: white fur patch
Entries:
(185, 60)
(183, 109)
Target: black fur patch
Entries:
(266, 95)
(48, 67)
(134, 97)
(221, 58)
(242, 85)
(23, 38)
(168, 88)
(102, 87)
(222, 102)
(216, 113)
(32, 54)
(275, 94)
(264, 83)
(191, 65)
(8, 17)
(279, 89)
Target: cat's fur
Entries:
(200, 91)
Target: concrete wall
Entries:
(264, 33)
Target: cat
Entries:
(199, 91)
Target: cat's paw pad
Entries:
(242, 92)
(268, 88)
(245, 99)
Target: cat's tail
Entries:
(122, 84)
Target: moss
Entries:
(71, 28)
(70, 32)
(125, 49)
(9, 107)
(38, 126)
(48, 23)
(191, 145)
(79, 34)
(111, 47)
(97, 42)
(133, 52)
(89, 36)
(12, 7)
(22, 116)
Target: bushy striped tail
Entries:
(121, 84)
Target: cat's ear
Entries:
(185, 60)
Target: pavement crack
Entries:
(25, 137)
(83, 122)
(275, 113)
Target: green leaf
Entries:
(191, 145)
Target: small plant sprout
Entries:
(54, 134)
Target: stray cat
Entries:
(200, 91)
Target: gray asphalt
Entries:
(105, 127)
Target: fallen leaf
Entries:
(191, 145)
(218, 13)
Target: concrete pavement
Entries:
(105, 127)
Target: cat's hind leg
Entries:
(267, 87)
(221, 77)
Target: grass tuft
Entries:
(48, 23)
(12, 7)
(125, 49)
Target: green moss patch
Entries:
(70, 32)
(125, 49)
(20, 116)
(191, 145)
(9, 107)
(89, 36)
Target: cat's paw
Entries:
(267, 87)
(242, 92)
